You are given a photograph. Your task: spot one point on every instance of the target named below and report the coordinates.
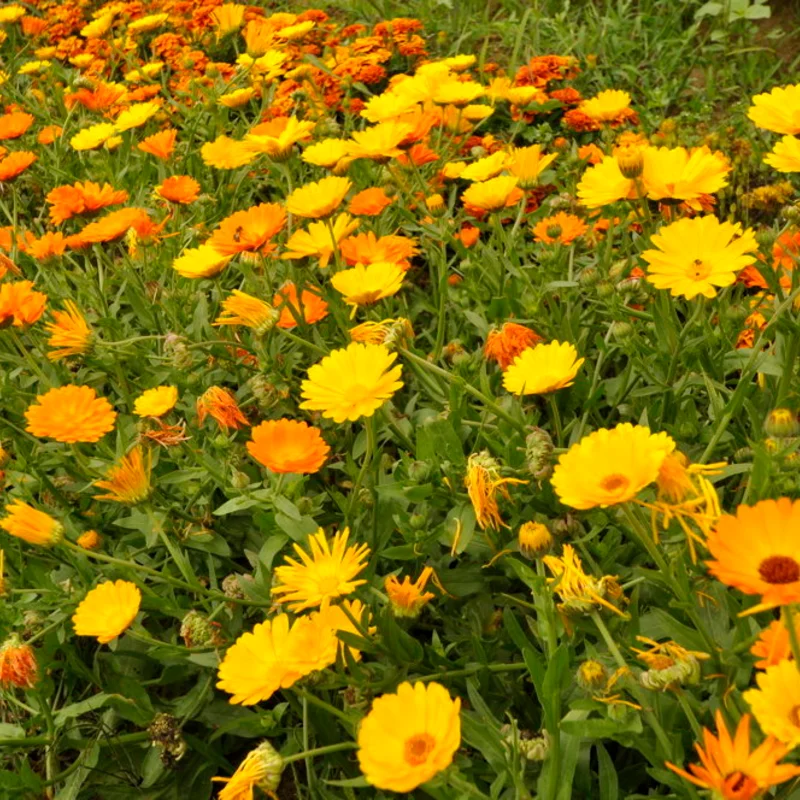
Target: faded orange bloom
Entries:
(786, 250)
(179, 189)
(128, 481)
(591, 153)
(504, 345)
(314, 308)
(17, 664)
(369, 202)
(160, 144)
(220, 404)
(249, 230)
(468, 235)
(167, 435)
(483, 484)
(20, 304)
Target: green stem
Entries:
(556, 419)
(368, 456)
(687, 709)
(457, 782)
(791, 627)
(315, 701)
(320, 751)
(790, 358)
(474, 670)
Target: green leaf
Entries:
(607, 774)
(437, 442)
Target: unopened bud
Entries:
(539, 453)
(534, 539)
(782, 422)
(592, 676)
(631, 161)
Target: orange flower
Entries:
(160, 144)
(179, 189)
(20, 304)
(101, 98)
(222, 406)
(786, 250)
(115, 225)
(505, 345)
(773, 645)
(248, 230)
(82, 198)
(49, 134)
(369, 202)
(48, 246)
(562, 228)
(468, 235)
(288, 445)
(69, 334)
(314, 308)
(128, 481)
(15, 164)
(13, 125)
(366, 248)
(591, 153)
(17, 664)
(70, 414)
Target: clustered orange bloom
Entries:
(20, 304)
(82, 198)
(220, 404)
(308, 308)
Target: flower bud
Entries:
(604, 289)
(17, 664)
(631, 161)
(621, 331)
(534, 539)
(782, 422)
(539, 453)
(435, 205)
(239, 480)
(765, 238)
(232, 585)
(567, 527)
(197, 631)
(89, 540)
(589, 277)
(791, 213)
(419, 471)
(592, 676)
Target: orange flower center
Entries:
(779, 569)
(614, 482)
(699, 270)
(794, 716)
(737, 785)
(418, 748)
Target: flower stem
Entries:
(791, 627)
(556, 418)
(320, 751)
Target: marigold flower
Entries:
(319, 240)
(49, 134)
(610, 466)
(562, 228)
(409, 737)
(31, 525)
(607, 105)
(115, 225)
(20, 304)
(135, 116)
(70, 414)
(730, 769)
(362, 285)
(367, 248)
(408, 599)
(505, 344)
(695, 255)
(785, 156)
(228, 17)
(309, 308)
(244, 309)
(262, 768)
(222, 406)
(492, 195)
(14, 124)
(534, 538)
(277, 137)
(777, 110)
(89, 540)
(107, 610)
(542, 369)
(128, 481)
(369, 202)
(178, 189)
(327, 573)
(93, 137)
(70, 335)
(776, 703)
(329, 154)
(156, 402)
(483, 483)
(527, 163)
(226, 153)
(159, 144)
(682, 174)
(15, 164)
(18, 665)
(82, 198)
(352, 382)
(287, 445)
(49, 245)
(320, 199)
(237, 98)
(485, 168)
(457, 93)
(248, 230)
(774, 644)
(380, 142)
(200, 262)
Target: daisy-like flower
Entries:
(408, 599)
(228, 18)
(328, 153)
(543, 369)
(128, 481)
(115, 225)
(774, 644)
(361, 286)
(159, 144)
(505, 344)
(156, 402)
(287, 445)
(147, 23)
(82, 198)
(757, 552)
(457, 93)
(367, 248)
(369, 202)
(262, 768)
(107, 610)
(380, 142)
(241, 308)
(776, 702)
(527, 163)
(680, 174)
(179, 189)
(778, 110)
(220, 404)
(730, 769)
(319, 240)
(697, 254)
(14, 164)
(785, 156)
(604, 183)
(320, 199)
(610, 466)
(484, 484)
(20, 304)
(70, 414)
(277, 137)
(226, 153)
(135, 116)
(562, 228)
(31, 525)
(409, 737)
(248, 230)
(607, 105)
(390, 332)
(308, 308)
(485, 168)
(14, 124)
(93, 137)
(352, 382)
(18, 665)
(70, 335)
(492, 195)
(238, 97)
(327, 573)
(200, 262)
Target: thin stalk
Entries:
(556, 419)
(320, 751)
(791, 626)
(368, 456)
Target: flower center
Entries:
(794, 716)
(739, 784)
(418, 748)
(328, 584)
(779, 569)
(614, 482)
(699, 270)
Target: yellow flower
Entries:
(244, 309)
(226, 153)
(127, 481)
(228, 17)
(155, 402)
(262, 768)
(200, 262)
(363, 286)
(329, 153)
(276, 138)
(148, 23)
(483, 483)
(319, 239)
(11, 13)
(387, 106)
(407, 599)
(534, 538)
(610, 466)
(476, 112)
(320, 199)
(778, 110)
(409, 737)
(603, 184)
(327, 573)
(33, 67)
(491, 195)
(785, 156)
(352, 382)
(107, 610)
(92, 137)
(527, 163)
(69, 334)
(543, 368)
(460, 62)
(135, 116)
(607, 105)
(485, 168)
(380, 142)
(681, 174)
(696, 254)
(98, 27)
(238, 97)
(776, 702)
(456, 93)
(32, 526)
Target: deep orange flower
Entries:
(127, 481)
(115, 225)
(20, 304)
(70, 414)
(773, 645)
(14, 125)
(15, 163)
(366, 248)
(591, 153)
(468, 235)
(47, 246)
(179, 189)
(17, 664)
(101, 98)
(314, 307)
(369, 202)
(249, 230)
(160, 144)
(49, 134)
(220, 404)
(82, 198)
(562, 228)
(504, 345)
(786, 250)
(70, 335)
(288, 445)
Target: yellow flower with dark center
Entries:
(107, 610)
(328, 572)
(319, 199)
(776, 702)
(31, 525)
(352, 382)
(484, 484)
(606, 106)
(261, 768)
(365, 285)
(127, 481)
(697, 254)
(527, 163)
(380, 142)
(70, 335)
(610, 466)
(785, 156)
(70, 414)
(244, 309)
(156, 402)
(542, 369)
(778, 110)
(319, 240)
(492, 195)
(200, 262)
(409, 737)
(408, 599)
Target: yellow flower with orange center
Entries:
(777, 110)
(365, 285)
(543, 368)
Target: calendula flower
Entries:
(778, 110)
(610, 466)
(159, 144)
(228, 17)
(483, 483)
(287, 445)
(14, 164)
(492, 195)
(11, 13)
(135, 116)
(70, 414)
(407, 599)
(156, 402)
(115, 225)
(390, 332)
(31, 525)
(785, 156)
(562, 228)
(697, 254)
(48, 246)
(505, 344)
(604, 183)
(774, 644)
(542, 369)
(200, 262)
(527, 163)
(20, 304)
(327, 573)
(329, 153)
(82, 198)
(128, 481)
(226, 153)
(776, 702)
(308, 308)
(14, 124)
(93, 137)
(456, 92)
(380, 142)
(361, 286)
(261, 768)
(409, 737)
(147, 23)
(681, 174)
(534, 538)
(320, 240)
(244, 309)
(352, 382)
(607, 105)
(757, 552)
(70, 335)
(18, 665)
(248, 230)
(277, 137)
(89, 540)
(580, 593)
(238, 97)
(320, 199)
(485, 168)
(367, 248)
(179, 189)
(107, 610)
(369, 202)
(669, 665)
(222, 406)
